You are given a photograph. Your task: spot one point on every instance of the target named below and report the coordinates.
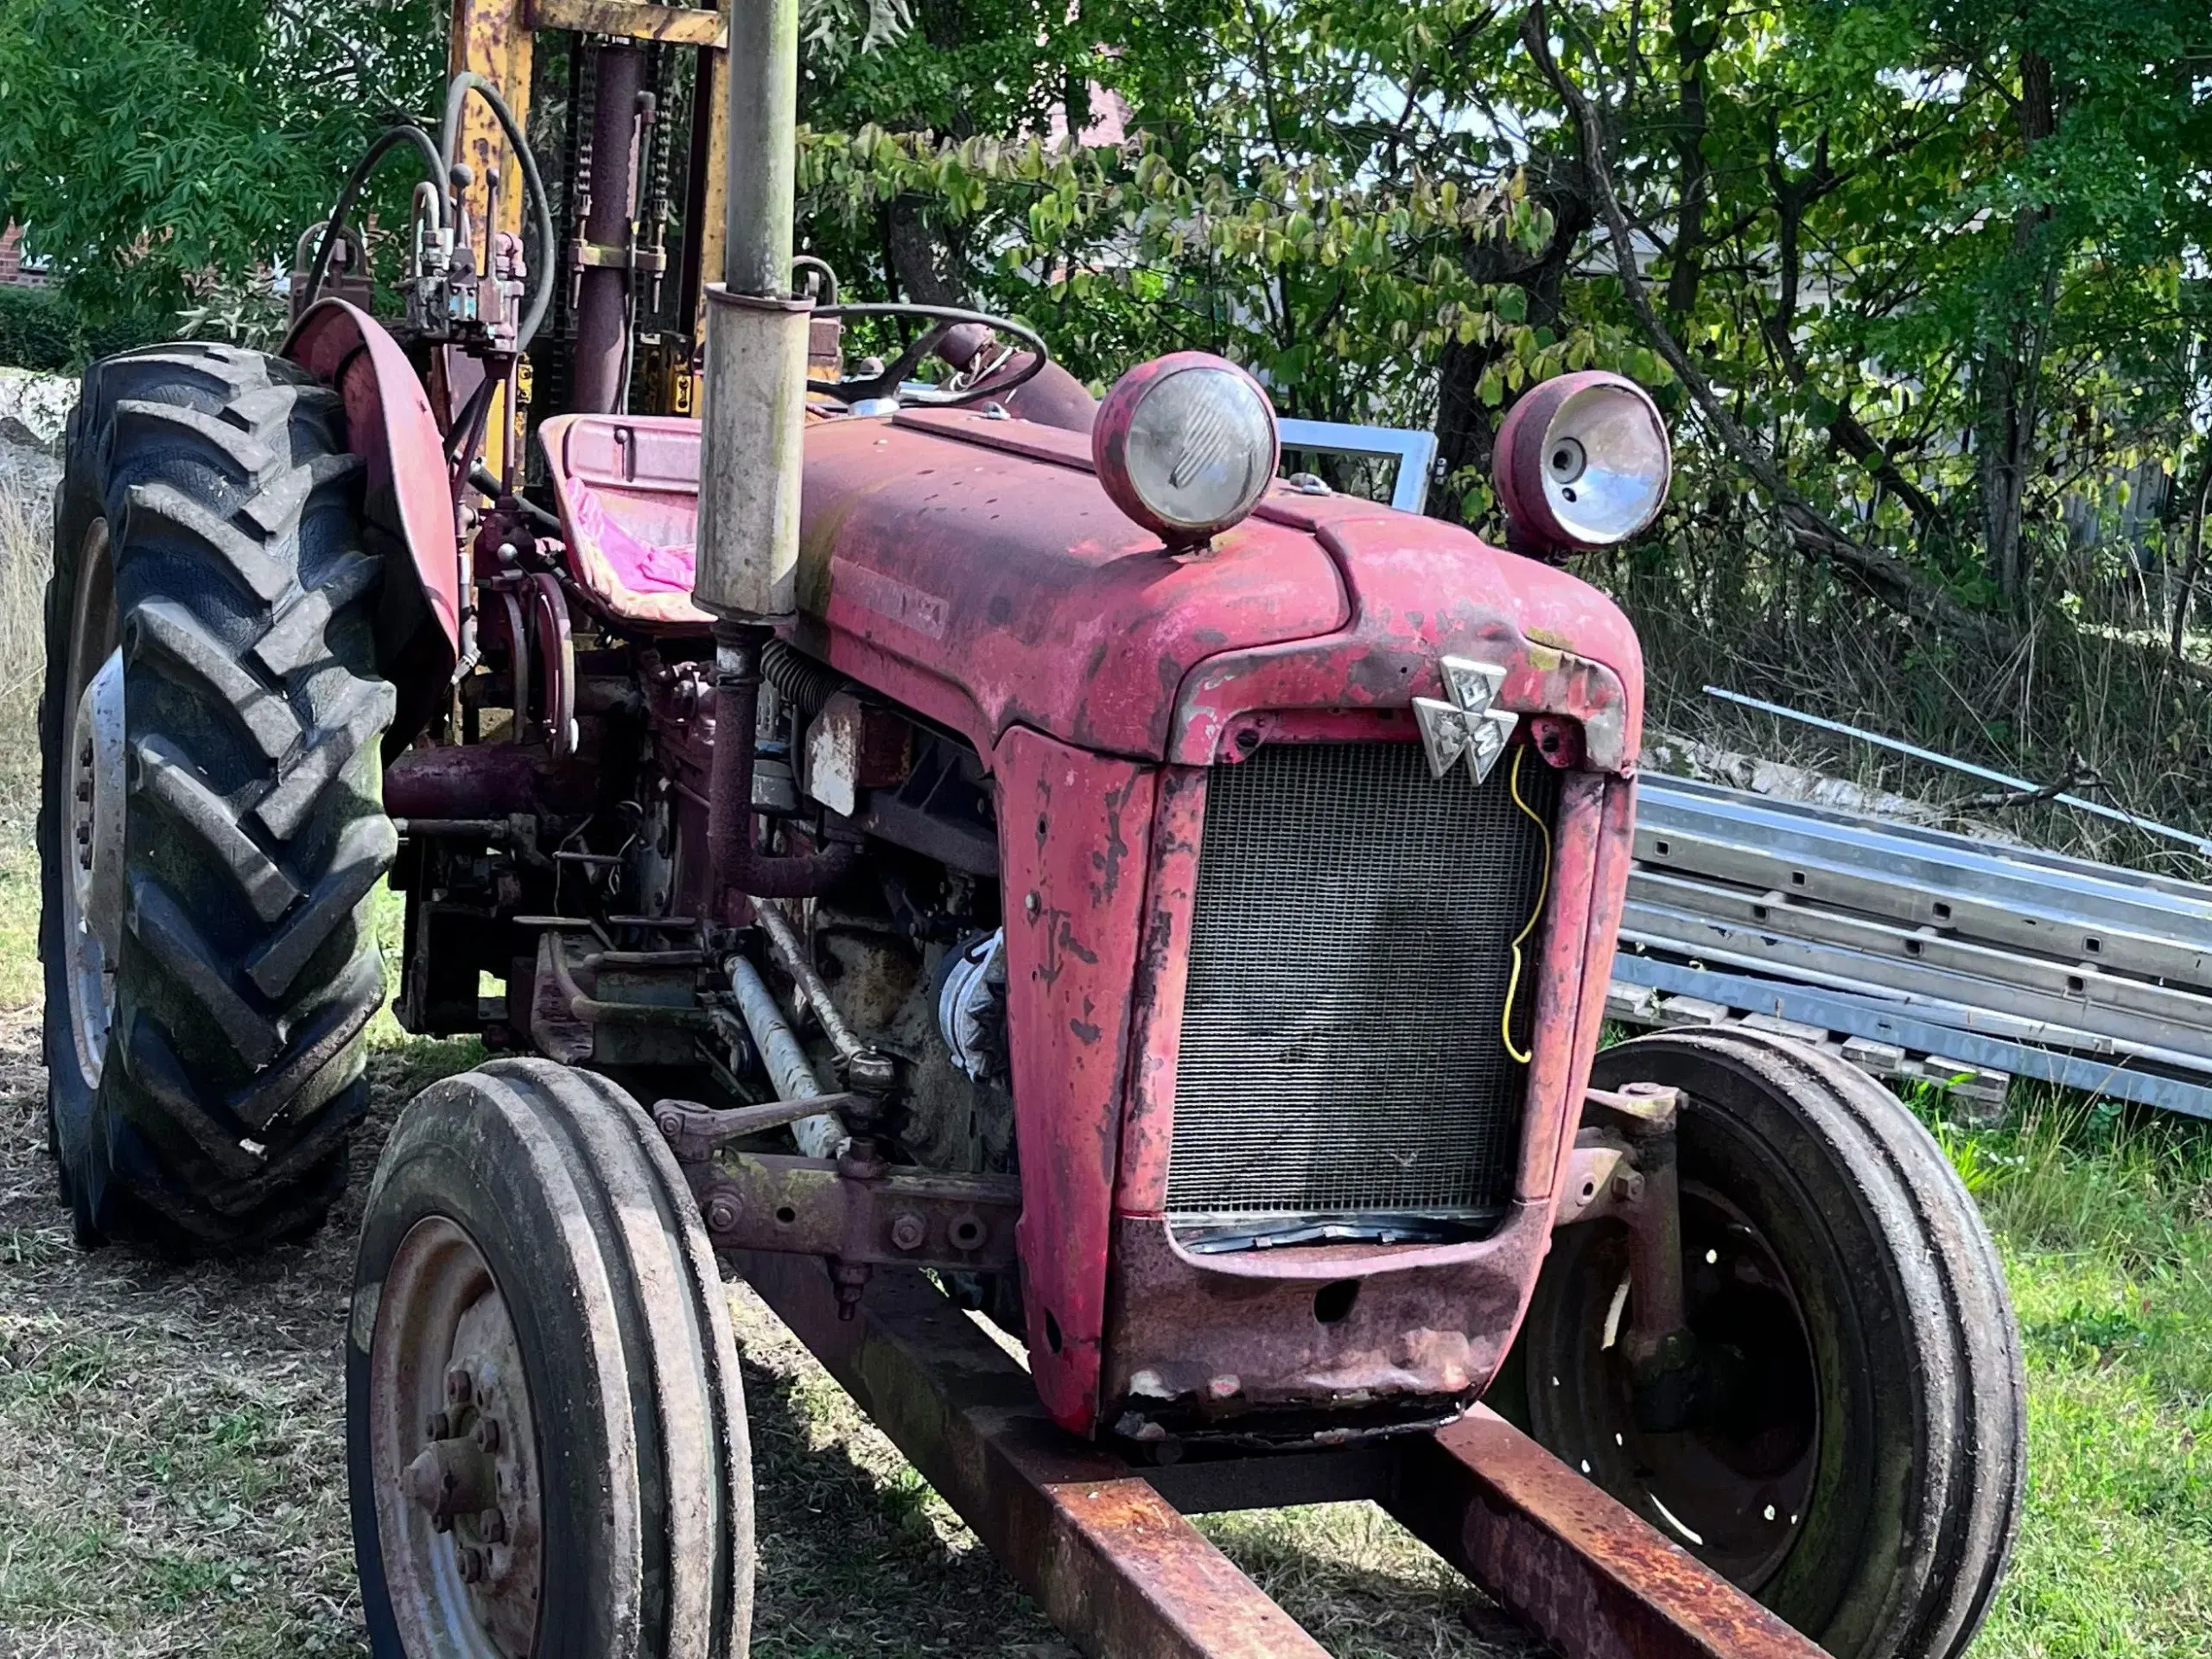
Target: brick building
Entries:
(14, 271)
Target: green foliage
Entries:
(47, 329)
(1932, 257)
(2101, 1217)
(1254, 201)
(147, 143)
(38, 329)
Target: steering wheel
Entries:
(943, 318)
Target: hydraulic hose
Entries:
(387, 141)
(542, 271)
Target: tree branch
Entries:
(1881, 574)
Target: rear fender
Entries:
(408, 515)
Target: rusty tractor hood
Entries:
(975, 569)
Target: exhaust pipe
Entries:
(756, 397)
(755, 407)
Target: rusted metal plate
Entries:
(633, 20)
(1109, 1560)
(1586, 1573)
(756, 1201)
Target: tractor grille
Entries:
(1350, 956)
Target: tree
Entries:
(148, 143)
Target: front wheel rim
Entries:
(451, 1426)
(1735, 1491)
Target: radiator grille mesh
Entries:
(1350, 954)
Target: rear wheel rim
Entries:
(450, 1423)
(92, 807)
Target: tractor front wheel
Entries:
(1860, 1465)
(211, 822)
(545, 1426)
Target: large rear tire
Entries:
(531, 1259)
(211, 822)
(1863, 1471)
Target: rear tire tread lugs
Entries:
(256, 831)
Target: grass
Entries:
(2105, 1222)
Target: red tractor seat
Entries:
(627, 487)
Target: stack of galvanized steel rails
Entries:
(1915, 952)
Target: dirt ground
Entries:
(171, 1476)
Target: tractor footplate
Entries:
(1106, 1550)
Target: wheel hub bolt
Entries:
(472, 1565)
(721, 1213)
(487, 1434)
(908, 1231)
(492, 1523)
(460, 1385)
(439, 1427)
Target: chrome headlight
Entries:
(1583, 461)
(1186, 445)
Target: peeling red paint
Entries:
(1420, 590)
(982, 588)
(1180, 1320)
(1071, 970)
(389, 424)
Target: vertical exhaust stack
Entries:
(755, 394)
(748, 567)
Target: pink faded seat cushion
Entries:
(627, 487)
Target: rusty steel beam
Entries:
(1586, 1572)
(633, 20)
(1110, 1560)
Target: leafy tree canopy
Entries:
(148, 143)
(1938, 269)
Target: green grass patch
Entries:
(2105, 1221)
(22, 984)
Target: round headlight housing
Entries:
(1583, 461)
(1186, 445)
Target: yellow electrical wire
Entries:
(1543, 891)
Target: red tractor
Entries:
(943, 842)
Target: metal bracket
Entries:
(1624, 1167)
(814, 1206)
(609, 256)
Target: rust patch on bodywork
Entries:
(1071, 942)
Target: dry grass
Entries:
(171, 1471)
(27, 482)
(2095, 693)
